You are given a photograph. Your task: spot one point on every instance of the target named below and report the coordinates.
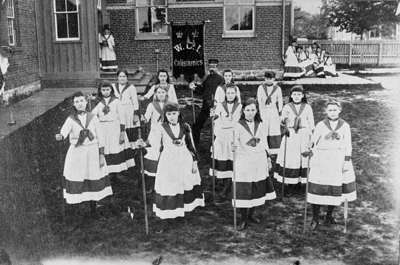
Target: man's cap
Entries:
(269, 74)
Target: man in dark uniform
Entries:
(207, 90)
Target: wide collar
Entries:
(89, 117)
(247, 128)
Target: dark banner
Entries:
(187, 51)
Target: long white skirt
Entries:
(270, 115)
(296, 164)
(330, 182)
(223, 154)
(84, 179)
(177, 189)
(253, 185)
(119, 157)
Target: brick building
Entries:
(55, 42)
(17, 25)
(242, 34)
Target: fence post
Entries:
(350, 52)
(379, 53)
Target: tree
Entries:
(361, 16)
(309, 26)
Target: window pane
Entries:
(159, 2)
(62, 26)
(71, 5)
(60, 5)
(231, 18)
(143, 2)
(73, 25)
(10, 31)
(246, 18)
(246, 2)
(144, 18)
(10, 8)
(158, 20)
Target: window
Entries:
(66, 19)
(239, 18)
(10, 22)
(151, 17)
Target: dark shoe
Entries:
(242, 226)
(314, 224)
(329, 220)
(254, 219)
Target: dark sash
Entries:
(254, 140)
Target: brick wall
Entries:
(262, 51)
(24, 67)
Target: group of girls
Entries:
(247, 134)
(309, 62)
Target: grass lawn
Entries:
(31, 204)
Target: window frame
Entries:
(239, 33)
(68, 39)
(150, 35)
(11, 18)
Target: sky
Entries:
(311, 6)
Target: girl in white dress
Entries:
(332, 179)
(253, 184)
(177, 185)
(220, 92)
(292, 68)
(269, 97)
(118, 152)
(107, 52)
(127, 94)
(226, 115)
(153, 116)
(164, 82)
(298, 121)
(85, 172)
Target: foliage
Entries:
(310, 26)
(360, 16)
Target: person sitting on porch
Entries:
(107, 45)
(329, 66)
(304, 61)
(292, 68)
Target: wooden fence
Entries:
(373, 53)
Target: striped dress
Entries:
(84, 179)
(270, 102)
(119, 157)
(129, 106)
(153, 115)
(177, 188)
(298, 117)
(292, 67)
(107, 53)
(253, 184)
(227, 116)
(332, 178)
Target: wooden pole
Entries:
(284, 169)
(213, 157)
(305, 201)
(146, 219)
(234, 183)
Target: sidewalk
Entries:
(28, 109)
